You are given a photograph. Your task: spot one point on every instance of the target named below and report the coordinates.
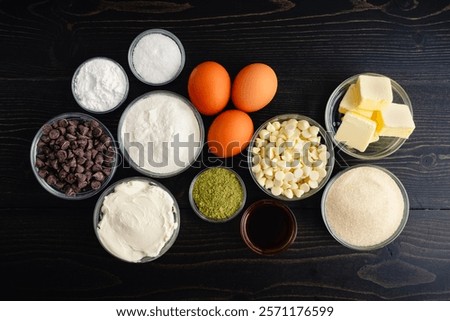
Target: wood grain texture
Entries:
(48, 248)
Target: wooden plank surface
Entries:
(47, 246)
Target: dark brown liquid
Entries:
(269, 227)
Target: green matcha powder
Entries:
(217, 193)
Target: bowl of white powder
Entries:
(161, 134)
(365, 207)
(156, 57)
(100, 85)
(137, 219)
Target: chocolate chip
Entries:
(96, 185)
(46, 129)
(83, 129)
(83, 143)
(107, 171)
(89, 164)
(82, 184)
(43, 173)
(97, 132)
(39, 163)
(97, 168)
(65, 144)
(51, 180)
(62, 130)
(80, 177)
(54, 134)
(45, 139)
(63, 123)
(66, 167)
(99, 176)
(71, 137)
(71, 130)
(69, 191)
(63, 174)
(99, 159)
(61, 155)
(73, 122)
(80, 169)
(71, 178)
(55, 164)
(81, 160)
(79, 152)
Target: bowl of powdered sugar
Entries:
(100, 85)
(365, 207)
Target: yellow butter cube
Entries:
(350, 100)
(395, 120)
(373, 92)
(356, 131)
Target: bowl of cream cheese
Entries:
(137, 219)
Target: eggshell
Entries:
(209, 87)
(230, 133)
(254, 87)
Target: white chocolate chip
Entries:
(276, 191)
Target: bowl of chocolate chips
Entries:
(73, 156)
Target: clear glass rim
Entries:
(97, 217)
(125, 152)
(326, 140)
(77, 99)
(197, 210)
(53, 191)
(165, 33)
(330, 109)
(393, 236)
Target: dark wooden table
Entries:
(48, 249)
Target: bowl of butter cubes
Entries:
(369, 116)
(290, 157)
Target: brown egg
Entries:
(254, 87)
(209, 87)
(230, 133)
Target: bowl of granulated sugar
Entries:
(365, 207)
(156, 57)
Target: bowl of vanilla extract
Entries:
(268, 227)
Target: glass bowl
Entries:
(268, 227)
(148, 172)
(385, 146)
(110, 109)
(197, 210)
(34, 152)
(326, 140)
(388, 240)
(98, 216)
(164, 33)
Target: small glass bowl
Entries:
(325, 140)
(197, 210)
(125, 152)
(98, 215)
(385, 146)
(77, 99)
(162, 32)
(393, 236)
(281, 242)
(34, 153)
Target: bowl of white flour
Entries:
(161, 134)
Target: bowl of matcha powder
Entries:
(217, 194)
